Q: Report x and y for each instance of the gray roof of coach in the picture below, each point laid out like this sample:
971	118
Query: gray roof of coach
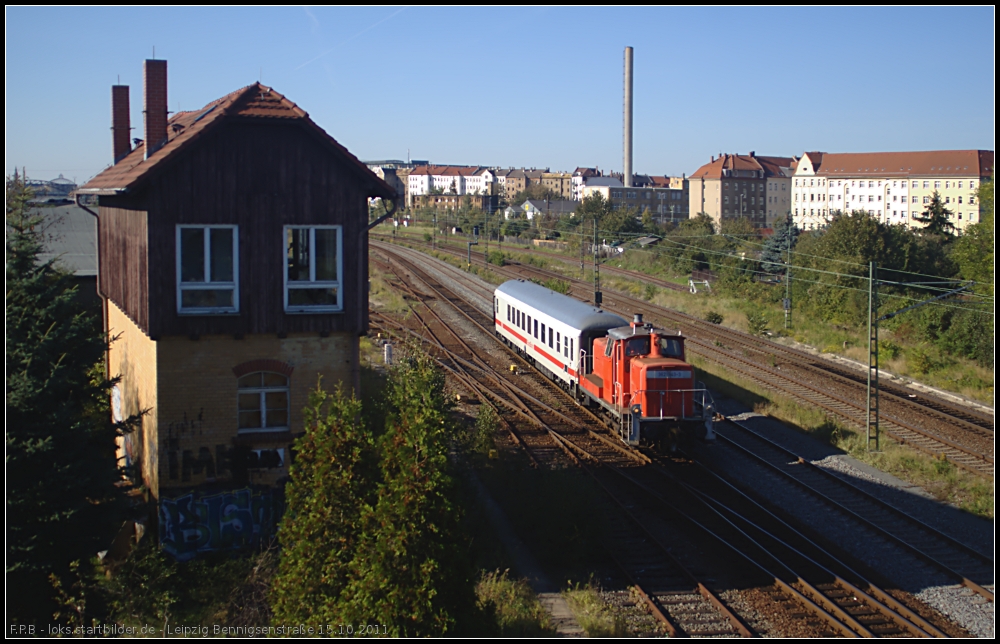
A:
567	310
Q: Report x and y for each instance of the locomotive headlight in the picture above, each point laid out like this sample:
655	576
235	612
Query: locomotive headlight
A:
637	409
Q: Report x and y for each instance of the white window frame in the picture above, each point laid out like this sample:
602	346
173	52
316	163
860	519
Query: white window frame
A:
208	286
262	393
313	283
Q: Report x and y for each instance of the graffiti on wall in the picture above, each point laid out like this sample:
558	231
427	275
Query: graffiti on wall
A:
196	523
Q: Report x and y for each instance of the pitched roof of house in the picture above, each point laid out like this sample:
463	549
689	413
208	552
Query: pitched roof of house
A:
713	169
773	165
184	128
612	182
586	172
553	207
933	163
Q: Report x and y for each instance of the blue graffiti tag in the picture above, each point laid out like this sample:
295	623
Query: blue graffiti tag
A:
191	524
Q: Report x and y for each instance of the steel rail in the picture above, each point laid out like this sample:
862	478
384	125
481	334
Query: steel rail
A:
785	472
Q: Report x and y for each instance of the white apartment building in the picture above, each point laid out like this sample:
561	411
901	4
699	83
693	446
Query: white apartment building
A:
449	179
894	187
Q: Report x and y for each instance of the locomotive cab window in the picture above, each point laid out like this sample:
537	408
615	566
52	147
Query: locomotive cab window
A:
637	346
671	347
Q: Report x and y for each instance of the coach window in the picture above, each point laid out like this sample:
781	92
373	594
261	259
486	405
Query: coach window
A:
536	329
529	325
550	337
543	333
558	342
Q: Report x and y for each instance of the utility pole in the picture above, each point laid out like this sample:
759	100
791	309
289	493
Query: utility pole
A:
873	320
486	230
598	297
583	243
872	416
434	230
468	264
788	276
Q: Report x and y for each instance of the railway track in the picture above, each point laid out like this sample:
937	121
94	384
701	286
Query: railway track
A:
841	603
963	437
963	563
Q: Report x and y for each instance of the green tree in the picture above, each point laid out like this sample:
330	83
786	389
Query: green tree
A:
936	218
319	532
515	227
775	251
535	191
407	573
63	505
973	252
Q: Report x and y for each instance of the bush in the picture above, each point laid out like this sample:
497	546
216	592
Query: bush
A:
649	292
496	257
920	361
427	237
559	286
888	349
714	317
756	323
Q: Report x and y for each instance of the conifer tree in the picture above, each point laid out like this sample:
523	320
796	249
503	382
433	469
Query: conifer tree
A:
407	574
320	529
936	218
62	501
775	251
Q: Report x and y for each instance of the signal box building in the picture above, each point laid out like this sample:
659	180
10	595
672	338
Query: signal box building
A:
233	267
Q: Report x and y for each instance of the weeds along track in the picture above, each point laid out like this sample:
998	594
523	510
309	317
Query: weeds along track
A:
960	435
675	512
881	520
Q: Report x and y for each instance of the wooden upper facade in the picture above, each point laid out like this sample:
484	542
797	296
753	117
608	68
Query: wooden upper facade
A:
251	175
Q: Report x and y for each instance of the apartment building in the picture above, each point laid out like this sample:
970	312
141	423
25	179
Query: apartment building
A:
450	179
560	183
731	186
895	187
579	180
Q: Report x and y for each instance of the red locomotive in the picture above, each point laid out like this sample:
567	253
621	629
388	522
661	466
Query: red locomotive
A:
635	372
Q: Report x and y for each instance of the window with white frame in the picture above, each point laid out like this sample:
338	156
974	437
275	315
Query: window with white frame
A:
207	269
314	266
263	402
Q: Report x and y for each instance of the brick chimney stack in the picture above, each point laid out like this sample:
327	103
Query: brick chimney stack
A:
121	125
154	91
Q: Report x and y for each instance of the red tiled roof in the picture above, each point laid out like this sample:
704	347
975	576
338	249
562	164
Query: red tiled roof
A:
713	170
934	163
772	165
253	101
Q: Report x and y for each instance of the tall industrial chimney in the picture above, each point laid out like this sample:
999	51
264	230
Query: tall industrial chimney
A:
627	133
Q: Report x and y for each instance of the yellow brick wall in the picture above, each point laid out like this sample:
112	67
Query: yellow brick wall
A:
189	391
198	399
132	357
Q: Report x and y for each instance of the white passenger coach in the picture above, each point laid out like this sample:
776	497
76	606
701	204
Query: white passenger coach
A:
554	330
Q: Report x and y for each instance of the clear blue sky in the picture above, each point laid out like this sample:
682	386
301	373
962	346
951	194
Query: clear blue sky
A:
526	86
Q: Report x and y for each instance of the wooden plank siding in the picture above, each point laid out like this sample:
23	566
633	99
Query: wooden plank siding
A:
260	175
122	262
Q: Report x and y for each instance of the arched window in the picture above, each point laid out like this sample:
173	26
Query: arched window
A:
263	402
